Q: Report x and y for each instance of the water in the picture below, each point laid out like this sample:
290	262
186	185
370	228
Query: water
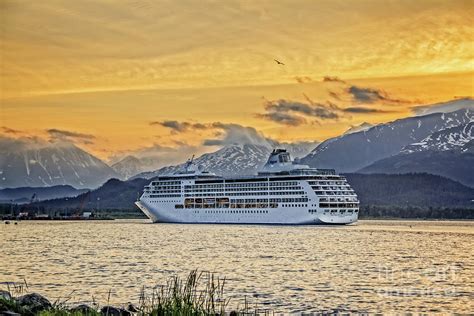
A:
374	266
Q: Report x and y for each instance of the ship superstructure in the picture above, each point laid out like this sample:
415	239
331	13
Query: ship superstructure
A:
283	192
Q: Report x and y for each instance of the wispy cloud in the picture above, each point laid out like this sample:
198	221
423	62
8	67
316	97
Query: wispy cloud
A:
362	95
289	112
179	127
363	110
333	79
371	95
225	133
282	118
8	130
444	107
303	79
70	136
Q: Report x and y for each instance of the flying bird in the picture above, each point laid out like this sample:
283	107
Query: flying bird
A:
279	62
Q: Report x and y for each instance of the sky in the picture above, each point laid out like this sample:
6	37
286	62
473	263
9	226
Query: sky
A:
134	77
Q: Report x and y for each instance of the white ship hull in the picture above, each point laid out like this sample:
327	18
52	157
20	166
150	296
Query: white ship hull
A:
272	216
283	193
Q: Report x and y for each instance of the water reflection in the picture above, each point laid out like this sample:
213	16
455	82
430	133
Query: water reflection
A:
374	266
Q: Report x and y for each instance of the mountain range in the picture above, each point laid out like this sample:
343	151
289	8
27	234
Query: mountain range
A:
236	159
449	153
25	162
28	194
438	140
354	151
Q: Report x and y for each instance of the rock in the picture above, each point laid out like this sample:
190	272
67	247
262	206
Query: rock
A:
5	295
83	309
132	308
114	311
34	302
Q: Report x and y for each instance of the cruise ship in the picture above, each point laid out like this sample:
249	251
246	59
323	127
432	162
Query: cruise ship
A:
282	192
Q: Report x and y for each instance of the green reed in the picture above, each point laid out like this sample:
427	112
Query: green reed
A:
200	293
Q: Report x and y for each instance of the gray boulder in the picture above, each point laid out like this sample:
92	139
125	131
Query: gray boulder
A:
82	309
114	311
34	302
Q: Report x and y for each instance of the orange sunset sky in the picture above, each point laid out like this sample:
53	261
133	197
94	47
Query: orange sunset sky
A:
113	76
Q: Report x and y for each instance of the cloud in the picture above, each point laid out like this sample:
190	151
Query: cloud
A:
363	110
157	156
179	127
235	134
304	79
315	109
444	107
334	95
282	118
8	130
333	79
9	144
359	94
370	95
69	136
295	113
225	133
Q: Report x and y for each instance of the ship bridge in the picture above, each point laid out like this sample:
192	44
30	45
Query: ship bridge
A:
280	163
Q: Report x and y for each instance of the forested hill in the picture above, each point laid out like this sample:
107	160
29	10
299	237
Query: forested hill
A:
418	195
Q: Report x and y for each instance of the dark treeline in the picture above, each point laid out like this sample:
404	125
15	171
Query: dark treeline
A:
419	190
384	211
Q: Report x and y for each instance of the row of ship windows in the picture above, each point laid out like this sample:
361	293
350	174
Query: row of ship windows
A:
328	187
334	182
257	192
334	207
286	200
171	187
165	191
213	206
251	187
242	185
169	201
245	193
334	211
164	195
344	199
337	205
233	212
263	185
328	180
166	183
247	189
351	192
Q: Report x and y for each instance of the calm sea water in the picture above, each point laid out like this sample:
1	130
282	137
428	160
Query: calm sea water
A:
373	266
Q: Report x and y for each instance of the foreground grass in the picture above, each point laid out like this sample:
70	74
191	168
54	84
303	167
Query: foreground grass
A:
200	293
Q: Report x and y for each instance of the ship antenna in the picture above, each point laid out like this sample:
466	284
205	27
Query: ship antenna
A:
192	158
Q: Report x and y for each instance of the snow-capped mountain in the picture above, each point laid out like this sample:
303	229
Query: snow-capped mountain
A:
351	152
358	128
27	163
130	166
459	138
232	160
447	153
